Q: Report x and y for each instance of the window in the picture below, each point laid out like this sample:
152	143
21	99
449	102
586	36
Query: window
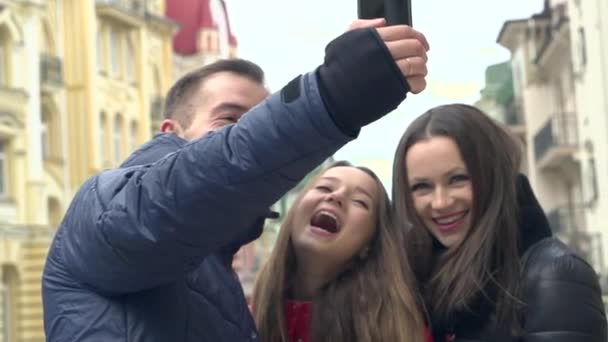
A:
210	45
154	6
117	139
208	41
45	136
517	78
213	42
115	52
582	47
130	61
102	139
2	63
3	169
5	50
590	184
100	51
5	309
133	136
10	297
54	210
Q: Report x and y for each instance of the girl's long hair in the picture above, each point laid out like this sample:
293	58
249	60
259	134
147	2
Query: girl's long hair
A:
375	300
484	268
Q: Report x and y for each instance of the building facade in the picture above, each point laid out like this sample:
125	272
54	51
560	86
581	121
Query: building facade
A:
205	34
499	102
559	68
77	83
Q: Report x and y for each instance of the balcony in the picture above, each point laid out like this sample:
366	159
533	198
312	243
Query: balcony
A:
131	6
51	71
25	232
567	219
556	142
130	12
555	35
568	223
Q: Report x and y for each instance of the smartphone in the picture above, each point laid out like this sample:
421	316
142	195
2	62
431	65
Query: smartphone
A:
396	12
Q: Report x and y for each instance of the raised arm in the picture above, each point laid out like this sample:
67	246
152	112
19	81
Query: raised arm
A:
136	228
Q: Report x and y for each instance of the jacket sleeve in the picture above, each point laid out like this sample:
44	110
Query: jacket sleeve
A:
562	297
135	228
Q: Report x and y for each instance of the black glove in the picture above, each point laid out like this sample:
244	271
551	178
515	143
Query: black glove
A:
359	81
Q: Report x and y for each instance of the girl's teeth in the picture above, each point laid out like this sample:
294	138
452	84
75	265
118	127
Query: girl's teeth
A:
450	220
329	214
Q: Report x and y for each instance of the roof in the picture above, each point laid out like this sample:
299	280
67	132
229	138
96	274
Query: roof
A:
192	17
544	14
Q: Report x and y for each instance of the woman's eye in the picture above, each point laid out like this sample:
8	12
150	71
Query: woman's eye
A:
419	187
323	188
362	203
460	178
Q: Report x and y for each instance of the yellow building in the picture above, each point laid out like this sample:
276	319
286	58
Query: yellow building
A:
78	82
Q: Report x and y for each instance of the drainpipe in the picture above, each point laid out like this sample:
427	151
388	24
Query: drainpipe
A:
603	37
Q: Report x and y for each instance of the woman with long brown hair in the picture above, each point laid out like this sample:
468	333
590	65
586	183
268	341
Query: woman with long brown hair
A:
338	271
479	242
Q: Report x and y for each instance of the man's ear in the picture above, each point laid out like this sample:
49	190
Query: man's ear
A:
171	126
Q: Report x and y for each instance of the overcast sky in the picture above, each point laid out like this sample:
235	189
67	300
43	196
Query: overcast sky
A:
287	37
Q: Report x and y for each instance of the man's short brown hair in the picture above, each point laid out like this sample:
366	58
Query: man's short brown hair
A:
178	105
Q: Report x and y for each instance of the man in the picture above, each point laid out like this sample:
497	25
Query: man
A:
144	251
